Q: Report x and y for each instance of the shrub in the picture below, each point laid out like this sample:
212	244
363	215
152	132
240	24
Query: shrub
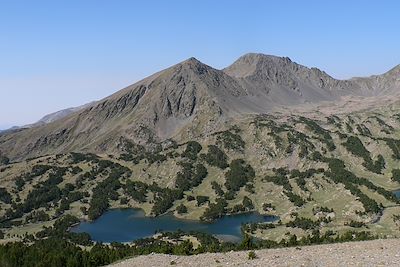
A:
192	149
190	198
215	210
164	199
201	200
5	196
356	147
137	190
181	209
355	224
252	255
396	175
239	174
394	145
303	223
231	140
247	203
324	135
216	157
190	176
217	188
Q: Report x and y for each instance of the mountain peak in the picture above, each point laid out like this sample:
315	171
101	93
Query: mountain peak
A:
193	65
192	61
254	57
250	63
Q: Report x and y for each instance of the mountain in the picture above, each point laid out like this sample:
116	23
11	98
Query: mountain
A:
58	115
263	135
188	100
385	84
50	117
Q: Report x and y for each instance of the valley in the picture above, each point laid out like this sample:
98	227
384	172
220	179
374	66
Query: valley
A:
333	174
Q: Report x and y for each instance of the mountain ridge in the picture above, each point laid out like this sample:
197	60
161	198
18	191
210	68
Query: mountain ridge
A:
190	99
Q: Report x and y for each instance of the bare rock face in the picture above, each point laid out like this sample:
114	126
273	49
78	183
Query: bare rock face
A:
378	85
285	82
186	101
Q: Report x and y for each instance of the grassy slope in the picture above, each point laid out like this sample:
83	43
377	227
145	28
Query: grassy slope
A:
263	153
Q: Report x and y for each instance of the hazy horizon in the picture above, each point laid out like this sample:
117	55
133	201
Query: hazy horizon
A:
60	55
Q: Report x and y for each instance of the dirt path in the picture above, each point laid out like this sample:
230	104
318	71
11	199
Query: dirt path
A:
385	252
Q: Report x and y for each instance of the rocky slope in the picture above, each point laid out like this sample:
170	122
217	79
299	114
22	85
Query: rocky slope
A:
366	253
190	100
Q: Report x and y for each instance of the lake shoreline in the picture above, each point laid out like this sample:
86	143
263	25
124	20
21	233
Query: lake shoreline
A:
130	224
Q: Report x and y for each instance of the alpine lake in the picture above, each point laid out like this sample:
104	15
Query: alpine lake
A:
126	225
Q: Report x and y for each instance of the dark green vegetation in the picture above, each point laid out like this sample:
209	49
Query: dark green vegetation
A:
356	147
5	196
136	153
106	190
300	139
281	178
215	210
252	255
363	130
217	188
136	190
231	139
322	134
339	174
164	198
396	175
192	149
303	223
216	157
202	200
57	252
245	206
190	176
267	165
394	145
44	194
239	174
181	209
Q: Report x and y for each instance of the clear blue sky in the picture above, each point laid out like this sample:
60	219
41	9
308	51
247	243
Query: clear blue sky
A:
58	54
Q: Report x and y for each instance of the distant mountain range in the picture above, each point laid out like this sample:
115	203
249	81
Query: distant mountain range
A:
50	117
188	100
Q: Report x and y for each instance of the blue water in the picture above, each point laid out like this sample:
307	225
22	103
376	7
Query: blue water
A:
125	225
397	193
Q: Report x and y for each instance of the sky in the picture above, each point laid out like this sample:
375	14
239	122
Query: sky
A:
60	54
